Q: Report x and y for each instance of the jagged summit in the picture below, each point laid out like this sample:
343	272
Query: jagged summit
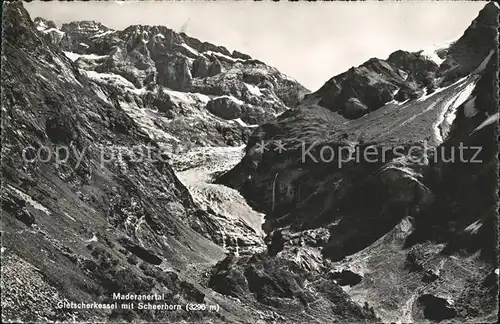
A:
228	93
43	24
84	25
475	44
96	29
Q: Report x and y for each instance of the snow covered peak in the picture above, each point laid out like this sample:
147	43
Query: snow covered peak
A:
85	25
40	24
43	24
48	28
436	52
84	28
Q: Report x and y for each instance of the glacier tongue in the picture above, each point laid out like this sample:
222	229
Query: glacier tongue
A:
238	221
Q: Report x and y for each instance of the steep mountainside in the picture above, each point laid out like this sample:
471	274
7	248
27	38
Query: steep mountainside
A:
81	229
357	181
90	203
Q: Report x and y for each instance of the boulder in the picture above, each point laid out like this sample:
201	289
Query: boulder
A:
225	108
240	55
354	108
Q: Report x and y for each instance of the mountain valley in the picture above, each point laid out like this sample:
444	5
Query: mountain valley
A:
146	161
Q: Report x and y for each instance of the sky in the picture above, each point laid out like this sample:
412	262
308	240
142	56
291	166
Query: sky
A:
309	41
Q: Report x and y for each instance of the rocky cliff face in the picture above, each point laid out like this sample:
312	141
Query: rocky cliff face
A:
78	228
412	231
198	93
90	203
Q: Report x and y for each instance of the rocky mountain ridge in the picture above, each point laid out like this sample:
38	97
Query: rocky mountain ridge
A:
406	75
188	84
414	234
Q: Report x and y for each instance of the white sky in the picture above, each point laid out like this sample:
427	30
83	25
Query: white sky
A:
310	41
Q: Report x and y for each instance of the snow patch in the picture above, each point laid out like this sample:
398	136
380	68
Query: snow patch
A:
93	239
67	215
103	34
449	111
35	204
287	77
431	52
74	56
159	35
57	31
138	92
408	173
93	56
460	99
426	95
187	97
242	123
41	25
253	89
474	227
490	120
234	99
438	90
432	55
201	97
232	59
189	48
118	80
403	74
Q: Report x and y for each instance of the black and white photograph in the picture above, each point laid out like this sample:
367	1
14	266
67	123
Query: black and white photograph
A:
249	162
